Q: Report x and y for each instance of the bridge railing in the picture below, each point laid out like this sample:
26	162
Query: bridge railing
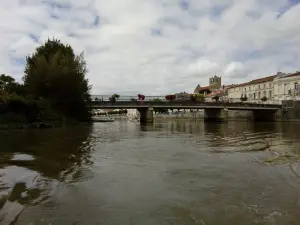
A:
183	103
97	98
125	98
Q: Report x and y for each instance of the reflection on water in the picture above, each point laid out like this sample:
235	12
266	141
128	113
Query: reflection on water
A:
165	173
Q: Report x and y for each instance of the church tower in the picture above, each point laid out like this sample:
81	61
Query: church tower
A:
215	82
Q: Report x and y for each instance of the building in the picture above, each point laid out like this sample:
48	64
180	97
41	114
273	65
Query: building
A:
287	86
215	83
133	113
222	93
253	90
235	91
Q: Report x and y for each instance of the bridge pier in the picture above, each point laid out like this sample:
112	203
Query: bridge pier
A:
216	115
267	115
146	115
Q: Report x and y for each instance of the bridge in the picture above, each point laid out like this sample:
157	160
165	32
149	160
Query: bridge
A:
213	111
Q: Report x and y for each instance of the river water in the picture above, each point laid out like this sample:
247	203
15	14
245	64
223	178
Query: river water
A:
175	172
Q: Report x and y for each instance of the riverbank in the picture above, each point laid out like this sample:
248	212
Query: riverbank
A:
28	125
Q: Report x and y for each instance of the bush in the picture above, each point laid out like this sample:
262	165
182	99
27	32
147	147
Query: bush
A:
215	98
170	97
244	98
12	117
141	97
264	99
198	97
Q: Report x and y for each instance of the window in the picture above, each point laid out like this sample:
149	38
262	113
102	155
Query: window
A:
264	86
270	94
249	89
279	88
258	86
254	95
265	94
285	89
270	85
258	95
296	86
245	89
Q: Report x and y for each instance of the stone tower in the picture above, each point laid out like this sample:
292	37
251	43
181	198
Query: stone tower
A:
215	82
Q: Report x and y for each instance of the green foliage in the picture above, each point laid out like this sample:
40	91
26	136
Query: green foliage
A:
54	73
12	117
13	107
156	100
244	98
216	98
264	99
198	97
9	85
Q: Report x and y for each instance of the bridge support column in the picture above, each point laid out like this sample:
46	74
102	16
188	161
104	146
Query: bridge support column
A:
146	115
216	115
267	115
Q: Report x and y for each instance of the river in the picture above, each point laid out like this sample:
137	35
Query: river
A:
177	172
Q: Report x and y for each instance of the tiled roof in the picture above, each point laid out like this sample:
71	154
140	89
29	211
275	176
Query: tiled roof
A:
197	89
293	74
262	80
215	93
256	81
238	85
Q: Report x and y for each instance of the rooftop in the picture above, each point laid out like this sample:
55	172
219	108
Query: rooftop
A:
256	81
292	74
198	88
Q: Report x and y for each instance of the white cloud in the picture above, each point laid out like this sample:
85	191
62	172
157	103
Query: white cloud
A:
203	67
157	47
235	70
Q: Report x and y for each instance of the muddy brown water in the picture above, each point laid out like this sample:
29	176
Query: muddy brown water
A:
174	172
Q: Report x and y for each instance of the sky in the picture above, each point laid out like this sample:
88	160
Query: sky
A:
157	47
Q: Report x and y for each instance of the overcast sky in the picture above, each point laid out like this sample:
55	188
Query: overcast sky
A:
157	46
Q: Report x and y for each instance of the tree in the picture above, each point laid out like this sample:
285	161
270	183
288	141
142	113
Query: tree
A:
264	99
215	98
244	98
53	72
198	97
9	85
5	82
114	98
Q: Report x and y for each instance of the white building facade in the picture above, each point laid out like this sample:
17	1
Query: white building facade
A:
133	113
254	90
287	87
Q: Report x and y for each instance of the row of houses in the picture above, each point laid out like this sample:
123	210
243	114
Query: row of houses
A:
282	86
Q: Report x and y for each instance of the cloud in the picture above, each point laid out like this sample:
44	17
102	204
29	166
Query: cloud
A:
203	67
159	46
235	70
